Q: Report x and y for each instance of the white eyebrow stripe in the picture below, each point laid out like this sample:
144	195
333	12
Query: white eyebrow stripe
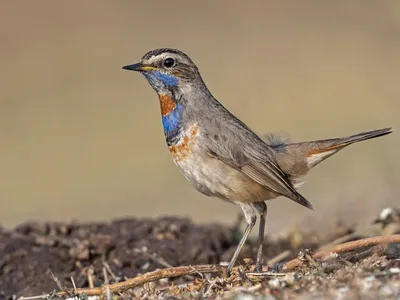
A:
158	57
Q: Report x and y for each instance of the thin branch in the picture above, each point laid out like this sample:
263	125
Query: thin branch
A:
106	286
44	296
349	246
110	271
265	275
64	289
151	276
73	284
90	277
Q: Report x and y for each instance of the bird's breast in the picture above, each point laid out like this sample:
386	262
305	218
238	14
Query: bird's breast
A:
185	144
210	175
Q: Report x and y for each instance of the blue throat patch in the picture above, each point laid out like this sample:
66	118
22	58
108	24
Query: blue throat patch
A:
172	125
168	80
171	122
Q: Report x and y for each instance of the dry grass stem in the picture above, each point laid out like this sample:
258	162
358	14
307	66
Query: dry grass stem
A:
349	246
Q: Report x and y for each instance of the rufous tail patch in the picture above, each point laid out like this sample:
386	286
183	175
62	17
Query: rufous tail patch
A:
318	151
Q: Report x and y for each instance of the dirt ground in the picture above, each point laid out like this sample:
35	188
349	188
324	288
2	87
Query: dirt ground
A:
128	247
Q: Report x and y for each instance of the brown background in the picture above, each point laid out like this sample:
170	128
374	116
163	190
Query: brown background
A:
82	139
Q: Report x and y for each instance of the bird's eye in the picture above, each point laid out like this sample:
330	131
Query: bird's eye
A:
169	62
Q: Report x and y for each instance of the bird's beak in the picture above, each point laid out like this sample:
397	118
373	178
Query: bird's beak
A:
139	67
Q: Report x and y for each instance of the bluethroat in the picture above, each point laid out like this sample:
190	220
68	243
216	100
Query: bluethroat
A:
222	157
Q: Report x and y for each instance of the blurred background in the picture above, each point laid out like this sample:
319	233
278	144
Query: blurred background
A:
82	139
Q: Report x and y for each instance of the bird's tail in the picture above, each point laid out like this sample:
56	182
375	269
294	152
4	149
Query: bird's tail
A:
320	150
297	158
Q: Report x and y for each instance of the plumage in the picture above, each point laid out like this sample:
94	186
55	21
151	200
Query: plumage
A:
183	147
296	159
218	154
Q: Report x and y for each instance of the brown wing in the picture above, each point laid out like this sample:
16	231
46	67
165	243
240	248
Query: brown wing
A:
255	159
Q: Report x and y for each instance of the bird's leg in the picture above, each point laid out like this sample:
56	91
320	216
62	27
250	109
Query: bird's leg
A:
251	218
261	207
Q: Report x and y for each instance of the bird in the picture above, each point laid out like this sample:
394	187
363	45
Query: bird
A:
219	154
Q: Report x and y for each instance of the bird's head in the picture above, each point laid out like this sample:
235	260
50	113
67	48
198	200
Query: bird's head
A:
168	70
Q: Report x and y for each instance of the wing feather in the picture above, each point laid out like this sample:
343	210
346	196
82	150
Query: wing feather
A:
255	159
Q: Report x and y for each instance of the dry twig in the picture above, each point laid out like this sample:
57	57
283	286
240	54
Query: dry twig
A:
110	271
64	289
349	246
90	277
151	276
73	284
